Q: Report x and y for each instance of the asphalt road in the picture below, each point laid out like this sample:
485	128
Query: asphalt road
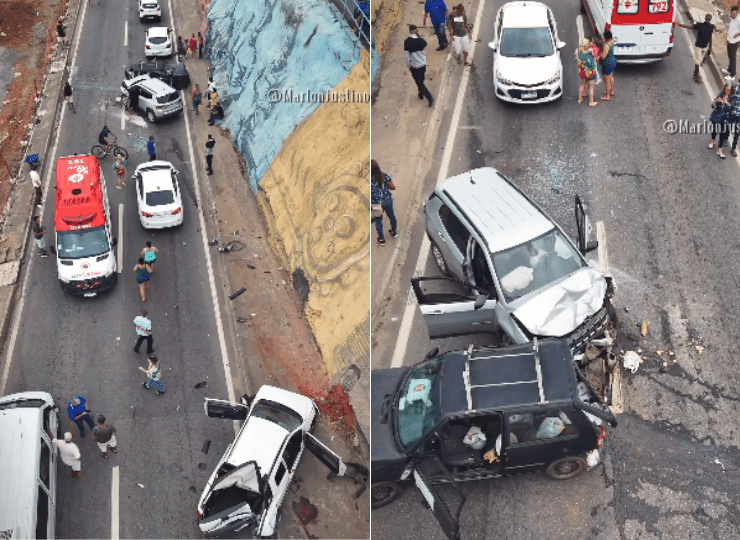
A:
669	207
67	345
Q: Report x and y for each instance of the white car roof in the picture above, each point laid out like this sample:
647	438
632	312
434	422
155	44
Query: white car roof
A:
155	179
260	440
525	15
156	86
157	31
502	215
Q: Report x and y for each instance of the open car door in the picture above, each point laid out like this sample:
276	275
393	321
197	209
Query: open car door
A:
335	463
446	510
451	308
232	501
218	408
585	230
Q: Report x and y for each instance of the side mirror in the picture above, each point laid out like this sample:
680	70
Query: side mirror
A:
247	400
561	44
492	45
432	353
590	246
114	242
480	301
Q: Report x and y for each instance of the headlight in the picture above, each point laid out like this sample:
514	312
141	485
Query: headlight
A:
501	80
555	78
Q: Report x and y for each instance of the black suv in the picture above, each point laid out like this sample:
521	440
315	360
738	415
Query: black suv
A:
176	76
483	413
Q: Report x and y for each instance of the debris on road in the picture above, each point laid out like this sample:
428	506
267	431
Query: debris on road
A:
237	293
644	328
631	360
201	384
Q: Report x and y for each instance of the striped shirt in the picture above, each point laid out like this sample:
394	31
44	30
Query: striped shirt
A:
413	49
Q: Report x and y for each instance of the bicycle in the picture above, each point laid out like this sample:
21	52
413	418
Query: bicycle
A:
100	151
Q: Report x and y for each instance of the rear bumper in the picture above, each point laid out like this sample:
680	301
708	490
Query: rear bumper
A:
625	57
90	287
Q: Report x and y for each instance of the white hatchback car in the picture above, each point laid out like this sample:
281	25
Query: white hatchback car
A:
526	54
158	195
252	478
158	41
149	9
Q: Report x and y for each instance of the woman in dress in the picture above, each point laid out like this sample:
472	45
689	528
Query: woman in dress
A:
149	254
608	63
586	71
142	271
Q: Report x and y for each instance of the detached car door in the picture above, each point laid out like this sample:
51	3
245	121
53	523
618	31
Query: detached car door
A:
585	230
451	308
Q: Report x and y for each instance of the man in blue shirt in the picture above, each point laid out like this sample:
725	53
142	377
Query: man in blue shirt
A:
151	149
79	413
437	11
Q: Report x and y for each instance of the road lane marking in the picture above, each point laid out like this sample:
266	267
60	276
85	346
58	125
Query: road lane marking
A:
114	520
579	25
120	238
399	351
125	34
602	252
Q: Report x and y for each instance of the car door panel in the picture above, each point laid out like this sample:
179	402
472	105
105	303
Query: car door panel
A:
440	236
447	508
325	455
217	408
585	230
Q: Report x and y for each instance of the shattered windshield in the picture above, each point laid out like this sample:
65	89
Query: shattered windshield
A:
535	264
418	408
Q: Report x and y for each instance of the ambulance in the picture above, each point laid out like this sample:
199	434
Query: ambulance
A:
86	263
642	29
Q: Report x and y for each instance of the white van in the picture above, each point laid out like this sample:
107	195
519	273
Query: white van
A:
86	263
28	465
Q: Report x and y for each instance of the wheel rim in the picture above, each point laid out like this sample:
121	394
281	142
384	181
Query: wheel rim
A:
383	492
567	467
439	259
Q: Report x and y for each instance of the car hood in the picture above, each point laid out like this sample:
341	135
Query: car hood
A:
383	445
527	70
562	308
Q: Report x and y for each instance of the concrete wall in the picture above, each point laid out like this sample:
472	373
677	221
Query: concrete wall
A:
307	153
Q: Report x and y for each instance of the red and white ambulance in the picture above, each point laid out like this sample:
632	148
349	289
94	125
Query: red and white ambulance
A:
642	29
86	263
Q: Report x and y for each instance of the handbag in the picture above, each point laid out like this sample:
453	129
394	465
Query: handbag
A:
376	210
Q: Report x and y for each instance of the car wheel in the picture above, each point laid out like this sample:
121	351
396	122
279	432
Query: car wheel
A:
150	115
382	493
566	468
440	260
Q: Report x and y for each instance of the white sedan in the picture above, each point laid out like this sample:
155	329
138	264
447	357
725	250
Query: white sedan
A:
149	9
251	479
158	195
526	54
158	41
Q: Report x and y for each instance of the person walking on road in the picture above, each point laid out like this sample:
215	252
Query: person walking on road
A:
416	60
586	71
153	374
38	235
437	11
120	169
69	452
36	182
149	254
719	119
150	147
104	435
144	331
197	97
380	193
192	45
79	413
200	45
142	271
733	40
210	143
457	23
608	63
68	96
703	45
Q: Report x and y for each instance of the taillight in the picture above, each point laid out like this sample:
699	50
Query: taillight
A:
607	27
168	46
147	214
601	437
176	211
148	47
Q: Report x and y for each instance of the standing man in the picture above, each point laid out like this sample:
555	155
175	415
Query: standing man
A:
104	435
416	60
151	149
62	34
69	452
211	86
68	96
79	413
200	45
38	234
144	331
733	40
210	143
36	181
703	43
457	23
437	11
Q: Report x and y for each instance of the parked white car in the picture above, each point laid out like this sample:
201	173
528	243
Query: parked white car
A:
526	54
158	195
158	41
149	9
252	478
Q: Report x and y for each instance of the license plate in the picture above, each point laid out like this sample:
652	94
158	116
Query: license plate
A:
89	294
529	95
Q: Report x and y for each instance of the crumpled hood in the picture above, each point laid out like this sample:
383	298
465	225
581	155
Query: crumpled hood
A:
562	308
532	70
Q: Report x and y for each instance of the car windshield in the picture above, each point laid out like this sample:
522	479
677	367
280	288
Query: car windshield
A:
150	6
278	414
524	42
23	404
82	243
160	198
157	40
168	98
535	264
418	408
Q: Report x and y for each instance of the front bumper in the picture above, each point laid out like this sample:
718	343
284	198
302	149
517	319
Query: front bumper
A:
541	93
90	287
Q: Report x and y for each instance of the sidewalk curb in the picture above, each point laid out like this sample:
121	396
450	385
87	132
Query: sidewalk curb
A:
712	62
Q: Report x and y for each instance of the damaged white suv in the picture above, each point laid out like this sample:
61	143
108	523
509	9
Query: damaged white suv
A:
516	273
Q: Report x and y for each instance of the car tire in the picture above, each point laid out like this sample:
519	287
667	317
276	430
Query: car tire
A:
566	468
150	115
440	260
382	493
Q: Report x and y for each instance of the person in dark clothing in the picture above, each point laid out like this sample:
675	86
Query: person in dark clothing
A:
182	51
437	10
62	34
703	43
362	20
416	60
150	147
68	96
217	113
210	143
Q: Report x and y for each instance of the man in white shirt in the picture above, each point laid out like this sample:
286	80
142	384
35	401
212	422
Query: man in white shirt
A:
733	40
36	181
69	452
